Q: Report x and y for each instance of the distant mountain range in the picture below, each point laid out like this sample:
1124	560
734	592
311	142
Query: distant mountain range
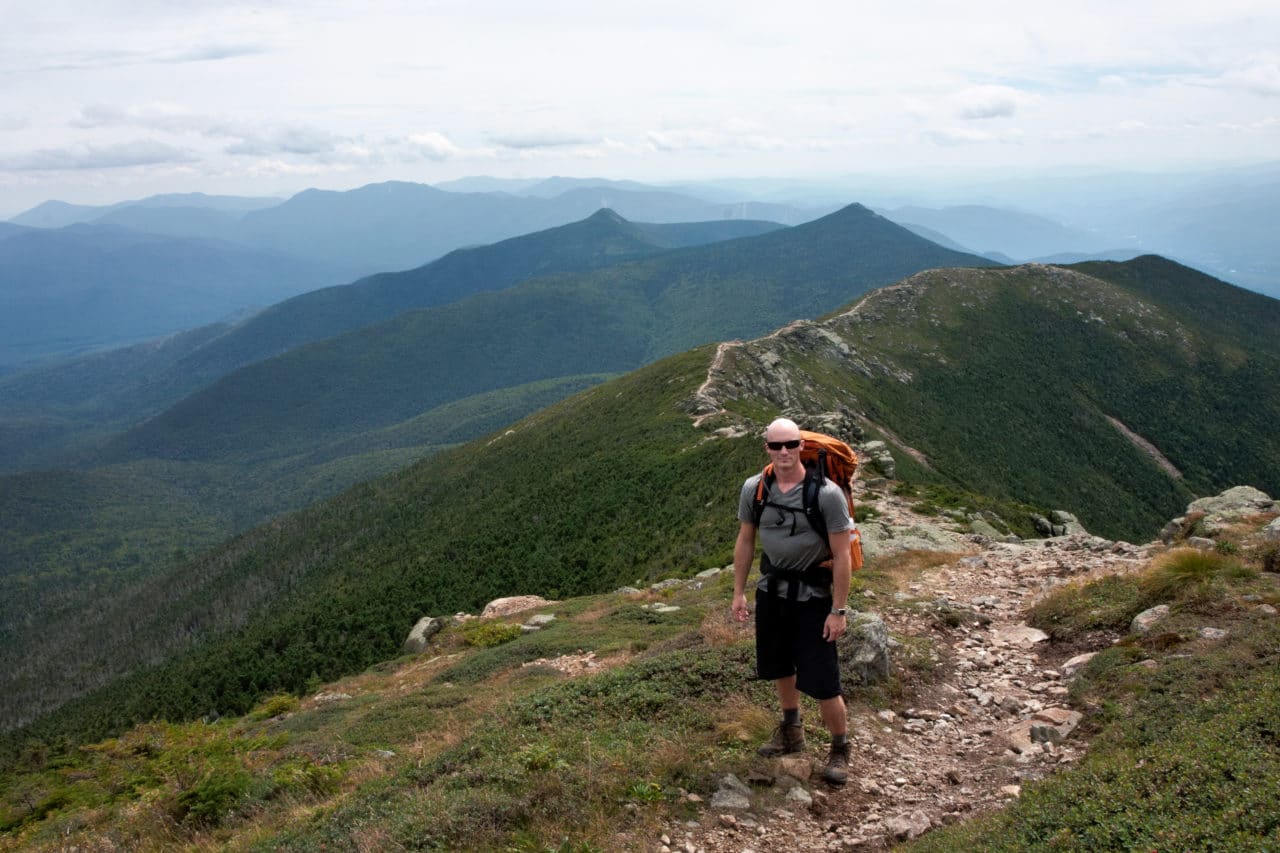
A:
1219	223
286	430
611	319
80	278
84	287
1015	235
48	410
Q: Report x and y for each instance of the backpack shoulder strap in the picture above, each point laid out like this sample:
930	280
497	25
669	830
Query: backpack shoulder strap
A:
815	477
763	485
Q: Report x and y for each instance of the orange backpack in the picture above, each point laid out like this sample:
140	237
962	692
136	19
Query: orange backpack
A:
824	457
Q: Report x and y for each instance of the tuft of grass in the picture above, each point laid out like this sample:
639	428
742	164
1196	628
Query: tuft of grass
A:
1186	575
1109	603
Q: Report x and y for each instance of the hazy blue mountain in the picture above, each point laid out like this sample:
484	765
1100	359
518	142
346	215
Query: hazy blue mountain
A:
1013	233
197	222
607	320
67	290
64	406
1079	257
937	237
487	184
58	214
555	186
399	225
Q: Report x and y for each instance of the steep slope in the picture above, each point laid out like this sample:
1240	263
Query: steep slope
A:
1047	384
610	320
1006	381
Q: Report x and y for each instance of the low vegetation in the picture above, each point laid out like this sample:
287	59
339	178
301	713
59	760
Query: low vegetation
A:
489	747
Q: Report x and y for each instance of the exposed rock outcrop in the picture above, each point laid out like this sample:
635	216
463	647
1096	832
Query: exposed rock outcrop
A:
1207	517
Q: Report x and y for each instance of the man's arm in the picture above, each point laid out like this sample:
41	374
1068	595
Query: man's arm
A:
744	551
841	572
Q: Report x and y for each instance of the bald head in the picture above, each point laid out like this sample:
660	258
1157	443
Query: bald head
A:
782	429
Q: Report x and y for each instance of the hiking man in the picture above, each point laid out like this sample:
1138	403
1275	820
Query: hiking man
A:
800	607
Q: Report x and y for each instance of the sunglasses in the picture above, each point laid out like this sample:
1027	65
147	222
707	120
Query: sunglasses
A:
778	445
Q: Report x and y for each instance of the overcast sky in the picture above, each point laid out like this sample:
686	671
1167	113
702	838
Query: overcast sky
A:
102	100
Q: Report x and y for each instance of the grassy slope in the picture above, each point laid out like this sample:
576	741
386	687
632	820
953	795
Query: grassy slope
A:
487	747
303	425
1001	425
338	585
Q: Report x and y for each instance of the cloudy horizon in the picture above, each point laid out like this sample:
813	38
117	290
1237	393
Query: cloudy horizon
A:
121	100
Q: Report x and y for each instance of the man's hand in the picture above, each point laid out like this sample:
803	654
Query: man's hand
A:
740	606
834	627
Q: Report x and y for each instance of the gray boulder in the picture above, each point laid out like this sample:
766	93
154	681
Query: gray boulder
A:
1063	523
1272	531
418	639
1148	619
983	528
732	795
881	458
879	539
1235	502
864	651
1207	516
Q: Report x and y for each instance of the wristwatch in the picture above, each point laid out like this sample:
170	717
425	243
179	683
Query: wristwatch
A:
839	611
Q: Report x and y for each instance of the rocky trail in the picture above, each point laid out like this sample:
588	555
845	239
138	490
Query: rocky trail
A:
992	714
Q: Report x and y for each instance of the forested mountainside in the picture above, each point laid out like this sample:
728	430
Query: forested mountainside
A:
1009	382
290	430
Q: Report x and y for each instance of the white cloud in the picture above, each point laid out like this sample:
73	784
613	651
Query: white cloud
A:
647	90
983	102
288	139
542	139
431	145
1260	77
141	152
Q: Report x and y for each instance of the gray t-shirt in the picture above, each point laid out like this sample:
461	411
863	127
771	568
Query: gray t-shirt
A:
785	533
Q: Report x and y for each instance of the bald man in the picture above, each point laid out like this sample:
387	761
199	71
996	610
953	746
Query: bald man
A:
800	606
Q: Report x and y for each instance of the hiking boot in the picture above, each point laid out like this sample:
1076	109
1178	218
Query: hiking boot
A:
837	770
787	739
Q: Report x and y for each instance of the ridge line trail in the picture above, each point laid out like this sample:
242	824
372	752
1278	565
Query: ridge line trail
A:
940	753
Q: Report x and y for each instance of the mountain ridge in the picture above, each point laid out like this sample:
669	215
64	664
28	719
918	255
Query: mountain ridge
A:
1038	438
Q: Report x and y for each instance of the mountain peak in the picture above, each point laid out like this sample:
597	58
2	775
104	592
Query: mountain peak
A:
606	214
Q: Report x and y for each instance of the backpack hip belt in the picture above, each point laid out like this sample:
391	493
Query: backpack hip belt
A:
818	575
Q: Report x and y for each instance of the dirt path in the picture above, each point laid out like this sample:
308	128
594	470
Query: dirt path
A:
966	742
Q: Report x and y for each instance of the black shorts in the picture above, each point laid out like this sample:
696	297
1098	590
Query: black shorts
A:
789	642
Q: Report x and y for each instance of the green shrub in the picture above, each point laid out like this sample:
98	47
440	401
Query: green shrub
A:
483	634
274	706
208	801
